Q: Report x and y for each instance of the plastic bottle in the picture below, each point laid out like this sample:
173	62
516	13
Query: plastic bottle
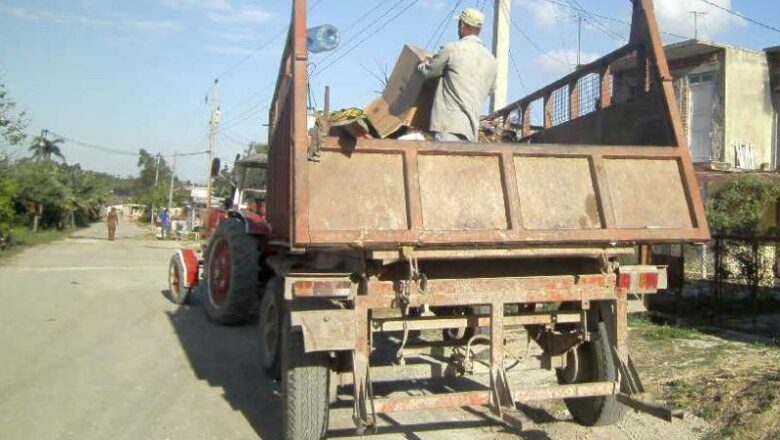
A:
322	38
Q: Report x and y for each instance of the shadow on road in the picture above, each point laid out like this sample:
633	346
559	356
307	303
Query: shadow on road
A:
226	357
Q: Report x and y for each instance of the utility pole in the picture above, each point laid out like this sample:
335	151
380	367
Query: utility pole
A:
213	126
696	15
173	176
501	23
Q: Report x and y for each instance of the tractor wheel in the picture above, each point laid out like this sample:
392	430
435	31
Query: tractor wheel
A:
305	388
232	273
176	275
592	362
269	325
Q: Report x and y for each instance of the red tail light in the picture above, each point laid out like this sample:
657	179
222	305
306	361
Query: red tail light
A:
642	279
322	289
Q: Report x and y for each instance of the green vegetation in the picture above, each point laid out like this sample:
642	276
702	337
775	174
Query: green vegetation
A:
648	330
737	208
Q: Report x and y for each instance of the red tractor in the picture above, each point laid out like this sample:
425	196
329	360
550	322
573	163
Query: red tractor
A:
230	258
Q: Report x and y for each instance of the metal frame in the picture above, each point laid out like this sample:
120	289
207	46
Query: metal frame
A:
288	197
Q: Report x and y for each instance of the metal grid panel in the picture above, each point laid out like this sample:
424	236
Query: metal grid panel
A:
589	93
559	106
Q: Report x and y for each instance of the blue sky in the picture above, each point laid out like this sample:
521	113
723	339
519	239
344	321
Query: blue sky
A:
134	74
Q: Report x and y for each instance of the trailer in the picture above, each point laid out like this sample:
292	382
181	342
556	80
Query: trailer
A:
477	240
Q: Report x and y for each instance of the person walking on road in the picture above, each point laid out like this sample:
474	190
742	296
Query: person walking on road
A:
468	75
197	225
165	224
112	220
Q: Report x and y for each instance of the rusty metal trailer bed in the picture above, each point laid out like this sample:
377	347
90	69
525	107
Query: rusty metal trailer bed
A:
373	236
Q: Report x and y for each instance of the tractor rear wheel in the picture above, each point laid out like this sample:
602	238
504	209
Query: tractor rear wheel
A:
232	273
269	327
305	388
592	362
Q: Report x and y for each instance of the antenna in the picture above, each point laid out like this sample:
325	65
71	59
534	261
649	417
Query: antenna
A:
696	15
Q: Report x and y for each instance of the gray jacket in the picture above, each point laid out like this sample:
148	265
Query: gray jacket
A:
468	75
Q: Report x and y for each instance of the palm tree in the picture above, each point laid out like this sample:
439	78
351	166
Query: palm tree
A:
44	149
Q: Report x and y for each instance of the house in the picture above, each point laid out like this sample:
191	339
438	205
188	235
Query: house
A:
727	103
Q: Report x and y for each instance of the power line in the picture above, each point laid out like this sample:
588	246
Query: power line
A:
113	151
377	30
439	31
744	17
369	24
613	19
517	71
261	46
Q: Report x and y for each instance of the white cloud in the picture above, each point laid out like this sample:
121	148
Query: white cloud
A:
227	50
555	63
245	14
223	11
675	16
542	13
115	23
436	5
236	35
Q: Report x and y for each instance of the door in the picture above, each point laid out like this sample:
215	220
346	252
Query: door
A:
702	97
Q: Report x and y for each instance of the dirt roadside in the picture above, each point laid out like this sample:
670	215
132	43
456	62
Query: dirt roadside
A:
92	349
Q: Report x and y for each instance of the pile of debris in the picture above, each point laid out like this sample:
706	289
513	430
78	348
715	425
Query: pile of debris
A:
402	112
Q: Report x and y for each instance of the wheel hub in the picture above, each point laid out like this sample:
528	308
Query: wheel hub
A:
219	273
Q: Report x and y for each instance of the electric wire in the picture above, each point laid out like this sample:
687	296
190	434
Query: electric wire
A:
114	151
744	17
439	31
369	23
359	43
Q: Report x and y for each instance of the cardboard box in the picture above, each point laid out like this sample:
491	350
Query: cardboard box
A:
407	98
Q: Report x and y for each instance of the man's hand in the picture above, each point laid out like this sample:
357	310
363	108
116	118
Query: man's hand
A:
423	66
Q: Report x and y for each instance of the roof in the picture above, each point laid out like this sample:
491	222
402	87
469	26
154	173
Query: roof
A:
253	160
692	48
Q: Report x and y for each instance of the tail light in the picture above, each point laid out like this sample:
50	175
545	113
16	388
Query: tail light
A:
322	289
642	279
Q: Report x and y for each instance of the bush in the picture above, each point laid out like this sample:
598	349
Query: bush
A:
737	208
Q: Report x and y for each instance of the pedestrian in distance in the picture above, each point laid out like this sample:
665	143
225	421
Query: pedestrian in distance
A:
112	221
468	75
165	224
197	224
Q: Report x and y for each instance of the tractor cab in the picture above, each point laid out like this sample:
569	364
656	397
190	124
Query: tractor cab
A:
250	174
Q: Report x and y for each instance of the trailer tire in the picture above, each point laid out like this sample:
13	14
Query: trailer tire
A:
232	273
269	326
305	388
176	276
595	364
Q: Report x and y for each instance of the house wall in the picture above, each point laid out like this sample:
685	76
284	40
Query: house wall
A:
748	103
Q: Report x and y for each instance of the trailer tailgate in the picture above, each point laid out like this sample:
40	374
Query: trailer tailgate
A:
379	194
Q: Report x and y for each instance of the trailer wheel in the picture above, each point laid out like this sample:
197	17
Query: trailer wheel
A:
179	293
592	362
305	389
269	325
232	273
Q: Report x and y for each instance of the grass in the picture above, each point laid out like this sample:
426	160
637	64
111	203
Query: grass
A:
25	238
733	385
651	331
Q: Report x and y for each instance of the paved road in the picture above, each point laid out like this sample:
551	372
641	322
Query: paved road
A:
92	349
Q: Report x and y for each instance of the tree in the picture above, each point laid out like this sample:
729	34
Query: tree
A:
258	147
43	149
737	208
12	122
